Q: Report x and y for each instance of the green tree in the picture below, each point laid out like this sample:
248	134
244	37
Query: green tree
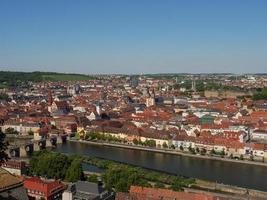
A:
135	141
75	171
190	148
203	151
11	131
212	152
222	153
115	174
164	145
150	143
193	151
30	132
200	86
121	177
93	178
177	185
49	165
3	148
4	96
159	185
262	95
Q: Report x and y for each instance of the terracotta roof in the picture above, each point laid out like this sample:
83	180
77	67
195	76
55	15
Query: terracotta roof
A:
45	186
259	114
142	193
257	146
8	181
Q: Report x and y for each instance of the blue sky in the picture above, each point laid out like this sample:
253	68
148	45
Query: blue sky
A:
133	36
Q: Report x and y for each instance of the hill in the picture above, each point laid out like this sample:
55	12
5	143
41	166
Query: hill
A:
10	79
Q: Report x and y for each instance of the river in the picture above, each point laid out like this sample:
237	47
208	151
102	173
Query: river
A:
238	174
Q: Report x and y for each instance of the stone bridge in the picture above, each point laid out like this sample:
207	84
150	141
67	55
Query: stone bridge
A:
27	148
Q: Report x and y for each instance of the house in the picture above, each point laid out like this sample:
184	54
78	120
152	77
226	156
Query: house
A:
150	102
64	121
11	187
258	134
59	107
93	116
83	190
73	89
183	141
259	149
235	148
15	167
256	149
22	128
38	188
160	137
79	109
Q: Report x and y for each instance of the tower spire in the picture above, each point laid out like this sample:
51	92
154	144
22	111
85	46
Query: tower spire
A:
50	98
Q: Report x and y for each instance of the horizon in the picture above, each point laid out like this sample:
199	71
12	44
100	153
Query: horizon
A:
140	37
140	74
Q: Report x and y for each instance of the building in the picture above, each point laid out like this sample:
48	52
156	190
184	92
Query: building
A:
259	134
38	188
73	89
11	187
22	128
150	101
143	193
207	119
83	190
134	81
15	167
59	107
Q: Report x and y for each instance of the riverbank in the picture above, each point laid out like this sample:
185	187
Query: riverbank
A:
194	185
199	185
169	151
229	173
239	192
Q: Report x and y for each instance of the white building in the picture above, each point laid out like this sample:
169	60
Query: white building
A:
259	134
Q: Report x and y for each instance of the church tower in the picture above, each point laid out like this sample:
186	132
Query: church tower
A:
50	98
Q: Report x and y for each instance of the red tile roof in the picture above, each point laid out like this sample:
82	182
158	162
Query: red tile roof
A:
162	194
48	188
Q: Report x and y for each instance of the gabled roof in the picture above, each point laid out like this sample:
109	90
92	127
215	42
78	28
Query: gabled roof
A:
8	181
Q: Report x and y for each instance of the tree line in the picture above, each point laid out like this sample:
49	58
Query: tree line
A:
56	165
120	177
116	176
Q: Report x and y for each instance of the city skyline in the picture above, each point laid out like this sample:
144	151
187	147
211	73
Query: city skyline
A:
141	99
119	37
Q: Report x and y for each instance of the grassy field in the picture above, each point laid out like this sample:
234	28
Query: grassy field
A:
65	77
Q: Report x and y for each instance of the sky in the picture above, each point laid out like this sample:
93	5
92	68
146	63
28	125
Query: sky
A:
134	36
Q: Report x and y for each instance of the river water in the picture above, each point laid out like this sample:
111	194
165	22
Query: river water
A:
243	175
